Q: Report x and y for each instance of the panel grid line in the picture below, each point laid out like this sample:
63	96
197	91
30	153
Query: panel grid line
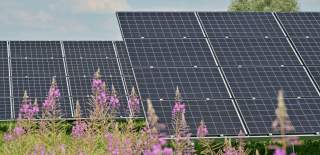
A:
10	80
67	78
122	77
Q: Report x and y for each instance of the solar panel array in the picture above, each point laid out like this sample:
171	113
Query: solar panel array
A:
242	57
33	64
228	67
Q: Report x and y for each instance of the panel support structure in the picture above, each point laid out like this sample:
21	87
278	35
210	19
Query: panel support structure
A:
67	78
10	80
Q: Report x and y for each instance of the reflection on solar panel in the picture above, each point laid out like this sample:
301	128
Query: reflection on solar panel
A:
219	116
309	49
169	53
194	83
259	114
302	24
240	24
159	24
264	82
254	52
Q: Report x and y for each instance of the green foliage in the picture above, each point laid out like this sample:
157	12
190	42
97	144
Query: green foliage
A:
264	5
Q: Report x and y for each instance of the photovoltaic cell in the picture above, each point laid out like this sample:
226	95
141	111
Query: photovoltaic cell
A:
89	49
265	82
219	116
37	67
5	108
260	113
3	50
159	25
315	73
87	67
35	49
301	24
240	24
309	49
254	52
126	66
38	86
169	52
194	83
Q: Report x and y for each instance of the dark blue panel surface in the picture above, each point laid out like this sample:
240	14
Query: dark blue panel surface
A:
3	50
89	49
240	24
4	87
194	83
301	24
37	87
254	52
169	52
219	116
265	82
315	73
37	67
259	114
159	24
35	49
87	67
309	49
5	108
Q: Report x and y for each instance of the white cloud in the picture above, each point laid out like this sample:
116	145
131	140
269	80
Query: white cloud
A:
100	5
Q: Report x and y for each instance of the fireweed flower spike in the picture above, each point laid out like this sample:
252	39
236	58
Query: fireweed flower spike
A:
27	109
114	102
283	124
80	127
202	130
134	102
50	104
99	90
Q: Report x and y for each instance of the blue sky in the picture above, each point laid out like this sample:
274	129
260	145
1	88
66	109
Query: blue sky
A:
90	19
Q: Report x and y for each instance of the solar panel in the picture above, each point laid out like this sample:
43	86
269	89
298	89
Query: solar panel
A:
89	49
315	73
240	24
87	67
3	50
37	67
194	83
35	49
301	24
259	114
309	49
81	90
219	116
254	52
170	53
265	82
37	86
159	24
5	108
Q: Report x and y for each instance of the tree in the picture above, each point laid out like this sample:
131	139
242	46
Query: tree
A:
264	5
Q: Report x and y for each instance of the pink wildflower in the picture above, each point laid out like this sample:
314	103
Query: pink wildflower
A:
202	130
134	102
27	110
54	93
279	151
79	129
114	102
18	131
179	107
167	151
8	137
